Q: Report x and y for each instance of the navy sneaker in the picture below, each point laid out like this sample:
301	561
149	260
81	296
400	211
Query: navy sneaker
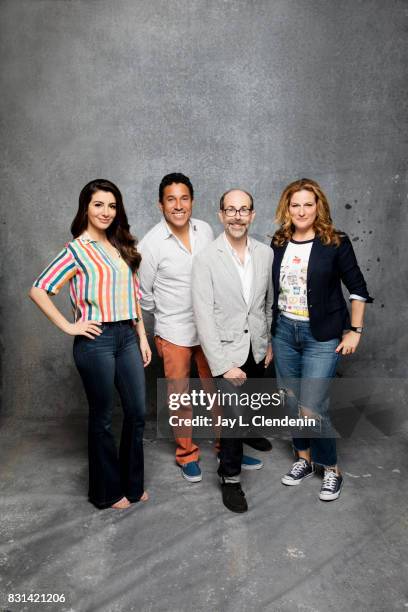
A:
248	463
300	470
331	485
191	471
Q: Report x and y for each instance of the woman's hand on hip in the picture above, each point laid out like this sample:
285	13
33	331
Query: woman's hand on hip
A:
90	329
349	343
145	350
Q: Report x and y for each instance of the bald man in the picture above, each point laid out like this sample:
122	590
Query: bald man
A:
232	302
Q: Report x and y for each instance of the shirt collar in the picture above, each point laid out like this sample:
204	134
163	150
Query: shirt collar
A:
231	248
85	237
167	231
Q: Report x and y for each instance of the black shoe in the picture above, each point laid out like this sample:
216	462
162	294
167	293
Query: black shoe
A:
260	444
233	497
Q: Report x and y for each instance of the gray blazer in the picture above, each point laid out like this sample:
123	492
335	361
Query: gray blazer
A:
226	324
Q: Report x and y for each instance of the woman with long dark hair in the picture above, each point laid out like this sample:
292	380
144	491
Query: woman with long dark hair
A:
311	324
100	264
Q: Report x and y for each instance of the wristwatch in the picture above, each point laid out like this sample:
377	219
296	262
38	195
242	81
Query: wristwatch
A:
359	330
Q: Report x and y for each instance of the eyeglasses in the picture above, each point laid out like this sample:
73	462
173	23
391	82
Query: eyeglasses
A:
232	212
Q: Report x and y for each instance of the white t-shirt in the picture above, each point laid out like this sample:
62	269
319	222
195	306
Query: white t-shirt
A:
293	280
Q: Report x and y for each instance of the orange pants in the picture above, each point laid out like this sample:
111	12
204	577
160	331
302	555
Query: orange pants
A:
177	365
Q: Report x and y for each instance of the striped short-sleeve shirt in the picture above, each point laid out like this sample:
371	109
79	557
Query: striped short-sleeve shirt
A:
101	289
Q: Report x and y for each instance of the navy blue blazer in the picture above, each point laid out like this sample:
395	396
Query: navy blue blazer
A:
328	266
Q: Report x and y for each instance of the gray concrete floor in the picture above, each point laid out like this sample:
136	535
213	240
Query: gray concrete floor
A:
183	550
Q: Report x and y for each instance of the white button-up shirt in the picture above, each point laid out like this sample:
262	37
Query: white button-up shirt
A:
165	280
245	270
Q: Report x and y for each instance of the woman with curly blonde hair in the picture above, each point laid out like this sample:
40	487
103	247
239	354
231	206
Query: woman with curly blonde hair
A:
311	323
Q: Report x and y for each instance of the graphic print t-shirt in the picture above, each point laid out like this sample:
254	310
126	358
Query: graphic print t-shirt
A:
293	280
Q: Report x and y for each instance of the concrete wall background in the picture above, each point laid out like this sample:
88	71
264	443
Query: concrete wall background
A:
230	92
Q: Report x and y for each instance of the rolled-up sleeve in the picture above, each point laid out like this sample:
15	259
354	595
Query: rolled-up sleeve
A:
350	272
353	296
57	273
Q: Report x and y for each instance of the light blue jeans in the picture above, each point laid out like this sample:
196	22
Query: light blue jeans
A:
304	367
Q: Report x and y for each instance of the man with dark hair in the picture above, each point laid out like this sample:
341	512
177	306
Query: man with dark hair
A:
175	177
165	276
232	300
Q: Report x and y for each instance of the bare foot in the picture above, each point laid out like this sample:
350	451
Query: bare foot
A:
144	497
121	504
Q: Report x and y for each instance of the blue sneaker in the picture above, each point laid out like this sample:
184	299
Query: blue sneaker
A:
191	471
248	463
251	463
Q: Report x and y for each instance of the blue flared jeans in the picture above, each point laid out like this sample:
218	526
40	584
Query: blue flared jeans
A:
113	360
304	367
